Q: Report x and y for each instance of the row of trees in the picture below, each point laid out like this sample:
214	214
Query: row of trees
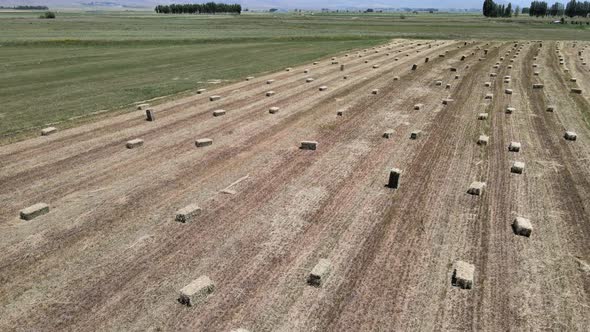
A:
538	8
577	8
26	7
206	8
557	9
573	8
492	9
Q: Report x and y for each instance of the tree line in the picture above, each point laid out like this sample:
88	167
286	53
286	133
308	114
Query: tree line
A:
492	9
573	8
206	8
26	7
577	8
538	8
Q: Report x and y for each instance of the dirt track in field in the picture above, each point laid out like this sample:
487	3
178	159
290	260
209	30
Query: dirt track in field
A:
109	255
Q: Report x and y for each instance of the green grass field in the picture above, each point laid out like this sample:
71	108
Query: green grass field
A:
83	62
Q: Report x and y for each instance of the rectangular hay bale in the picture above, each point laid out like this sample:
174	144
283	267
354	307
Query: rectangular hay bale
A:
522	226
394	178
483	140
517	167
188	213
415	134
514	147
150	115
141	107
201	142
34	211
570	136
463	275
197	291
309	145
320	272
48	131
134	143
476	188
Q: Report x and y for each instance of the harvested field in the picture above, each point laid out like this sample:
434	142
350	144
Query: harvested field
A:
267	218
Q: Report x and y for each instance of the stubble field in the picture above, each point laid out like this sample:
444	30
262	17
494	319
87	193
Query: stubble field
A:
110	256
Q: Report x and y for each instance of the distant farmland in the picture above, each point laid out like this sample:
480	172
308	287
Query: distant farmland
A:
59	71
